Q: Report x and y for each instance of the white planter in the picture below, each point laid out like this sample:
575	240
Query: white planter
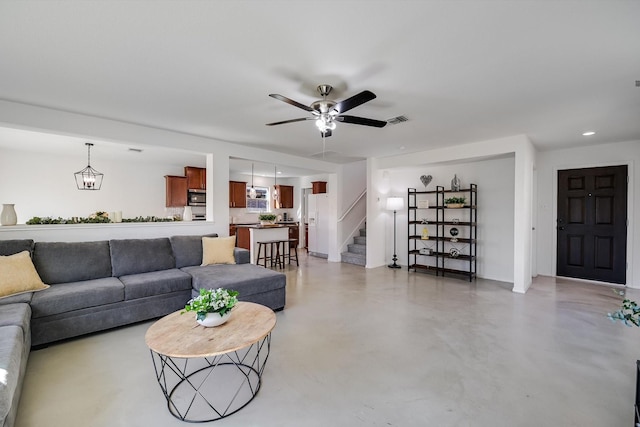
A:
8	215
214	319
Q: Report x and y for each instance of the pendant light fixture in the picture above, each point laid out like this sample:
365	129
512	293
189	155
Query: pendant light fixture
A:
88	178
275	182
252	191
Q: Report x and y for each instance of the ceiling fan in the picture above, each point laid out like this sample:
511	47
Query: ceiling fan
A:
326	112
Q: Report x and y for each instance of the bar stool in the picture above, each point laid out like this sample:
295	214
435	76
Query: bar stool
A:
288	243
274	248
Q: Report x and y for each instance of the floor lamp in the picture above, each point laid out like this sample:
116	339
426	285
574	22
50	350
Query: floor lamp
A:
394	204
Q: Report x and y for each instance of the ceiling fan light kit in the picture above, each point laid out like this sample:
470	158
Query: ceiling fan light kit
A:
327	112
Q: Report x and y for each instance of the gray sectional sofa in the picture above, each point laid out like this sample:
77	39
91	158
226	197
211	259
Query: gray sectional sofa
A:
100	285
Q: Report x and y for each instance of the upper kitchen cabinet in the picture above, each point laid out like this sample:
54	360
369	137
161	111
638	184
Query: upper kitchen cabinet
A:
285	197
196	178
176	187
237	194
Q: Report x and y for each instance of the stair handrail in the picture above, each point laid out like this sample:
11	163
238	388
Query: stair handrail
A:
353	205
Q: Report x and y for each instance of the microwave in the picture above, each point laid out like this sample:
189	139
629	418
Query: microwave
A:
196	198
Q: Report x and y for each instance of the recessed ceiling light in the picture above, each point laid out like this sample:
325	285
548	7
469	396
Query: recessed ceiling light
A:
589	133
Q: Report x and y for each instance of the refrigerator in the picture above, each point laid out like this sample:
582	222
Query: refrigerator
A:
318	218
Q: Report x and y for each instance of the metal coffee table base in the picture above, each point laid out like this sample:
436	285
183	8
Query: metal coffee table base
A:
206	389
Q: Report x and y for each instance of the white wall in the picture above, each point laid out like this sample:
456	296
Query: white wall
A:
43	185
549	162
495	210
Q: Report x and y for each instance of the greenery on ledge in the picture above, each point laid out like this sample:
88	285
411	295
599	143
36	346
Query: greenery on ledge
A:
96	218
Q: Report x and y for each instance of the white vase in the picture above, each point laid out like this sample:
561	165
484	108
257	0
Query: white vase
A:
214	319
187	215
8	215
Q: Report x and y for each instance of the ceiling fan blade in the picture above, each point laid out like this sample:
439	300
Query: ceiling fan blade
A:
361	121
289	121
290	101
354	101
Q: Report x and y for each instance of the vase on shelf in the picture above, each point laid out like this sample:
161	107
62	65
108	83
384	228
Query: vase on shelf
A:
8	215
214	319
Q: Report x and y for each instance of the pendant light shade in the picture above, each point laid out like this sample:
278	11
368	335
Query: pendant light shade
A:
275	183
88	178
252	191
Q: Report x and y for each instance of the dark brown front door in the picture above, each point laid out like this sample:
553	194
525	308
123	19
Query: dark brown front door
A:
592	223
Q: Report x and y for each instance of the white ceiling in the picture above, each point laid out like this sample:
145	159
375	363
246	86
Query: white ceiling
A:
461	71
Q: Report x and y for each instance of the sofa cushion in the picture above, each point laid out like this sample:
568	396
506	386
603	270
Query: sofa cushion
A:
71	296
155	283
248	279
187	250
62	262
133	256
18	275
18	314
12	348
16	299
10	247
218	250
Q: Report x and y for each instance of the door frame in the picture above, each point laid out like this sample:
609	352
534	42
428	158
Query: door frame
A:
630	216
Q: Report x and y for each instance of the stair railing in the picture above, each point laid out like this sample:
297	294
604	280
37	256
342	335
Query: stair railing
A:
353	219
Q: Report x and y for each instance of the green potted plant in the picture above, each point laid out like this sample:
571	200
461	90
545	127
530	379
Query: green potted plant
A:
266	218
212	306
455	202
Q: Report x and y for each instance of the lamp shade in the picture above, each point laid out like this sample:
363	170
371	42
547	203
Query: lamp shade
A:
395	203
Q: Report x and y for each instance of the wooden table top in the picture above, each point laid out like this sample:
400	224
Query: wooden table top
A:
179	335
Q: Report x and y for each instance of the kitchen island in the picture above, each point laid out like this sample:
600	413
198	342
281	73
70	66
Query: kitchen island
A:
248	236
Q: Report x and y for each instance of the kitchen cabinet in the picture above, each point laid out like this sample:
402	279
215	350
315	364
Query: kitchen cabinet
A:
318	187
176	190
196	178
285	197
237	194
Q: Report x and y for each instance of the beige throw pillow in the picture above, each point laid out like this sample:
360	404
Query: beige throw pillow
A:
218	250
18	275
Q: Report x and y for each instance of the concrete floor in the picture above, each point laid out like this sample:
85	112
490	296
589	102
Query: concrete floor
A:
379	347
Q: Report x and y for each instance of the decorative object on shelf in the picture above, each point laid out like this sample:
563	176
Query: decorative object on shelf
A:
252	191
454	232
426	179
455	183
425	251
8	215
394	204
455	220
425	234
88	178
212	306
423	204
455	202
187	214
454	252
267	219
424	221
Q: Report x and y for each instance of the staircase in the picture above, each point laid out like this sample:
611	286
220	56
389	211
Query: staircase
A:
357	251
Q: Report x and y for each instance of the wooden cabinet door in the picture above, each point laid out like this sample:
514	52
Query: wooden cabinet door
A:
237	194
176	191
285	197
196	178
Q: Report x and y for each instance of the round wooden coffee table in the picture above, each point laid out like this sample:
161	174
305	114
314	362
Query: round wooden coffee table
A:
210	373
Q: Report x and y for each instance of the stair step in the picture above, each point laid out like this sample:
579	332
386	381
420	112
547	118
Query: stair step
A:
357	249
363	232
352	258
360	240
